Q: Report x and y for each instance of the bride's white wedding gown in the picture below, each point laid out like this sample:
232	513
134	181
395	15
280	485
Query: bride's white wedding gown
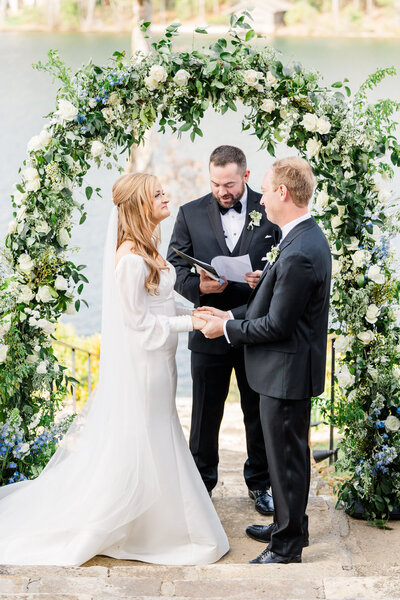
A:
123	483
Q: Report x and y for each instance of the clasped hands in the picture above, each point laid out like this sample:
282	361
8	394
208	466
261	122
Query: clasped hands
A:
210	320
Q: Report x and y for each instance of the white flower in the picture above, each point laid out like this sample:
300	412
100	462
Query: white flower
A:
61	283
158	73
310	122
181	77
376	275
373	373
32	322
25	294
42	367
366	337
343	343
384	196
107	114
268	105
336	221
70	310
336	267
348	174
26	264
270	79
44	294
12	226
25	448
37	348
35	421
392	423
93	102
47	326
56	367
344	377
113	100
323	126
21	213
377	233
39	142
3	352
313	147
63	237
97	149
372	313
18	197
5	325
42	227
66	110
251	77
32	179
322	199
150	83
353	244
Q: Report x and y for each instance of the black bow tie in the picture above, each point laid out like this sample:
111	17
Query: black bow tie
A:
237	207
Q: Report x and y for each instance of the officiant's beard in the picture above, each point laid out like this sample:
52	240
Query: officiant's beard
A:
229	200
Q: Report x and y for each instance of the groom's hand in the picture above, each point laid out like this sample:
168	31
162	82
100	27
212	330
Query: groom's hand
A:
214	327
209	285
216	312
252	278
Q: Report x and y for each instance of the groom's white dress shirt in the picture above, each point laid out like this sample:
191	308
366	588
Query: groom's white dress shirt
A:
233	223
285	230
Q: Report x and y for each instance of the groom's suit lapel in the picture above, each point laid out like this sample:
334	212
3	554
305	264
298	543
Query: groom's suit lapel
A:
215	219
243	244
292	235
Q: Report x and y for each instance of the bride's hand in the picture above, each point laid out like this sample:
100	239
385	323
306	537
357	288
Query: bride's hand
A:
197	322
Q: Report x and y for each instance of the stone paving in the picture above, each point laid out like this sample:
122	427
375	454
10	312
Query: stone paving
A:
346	560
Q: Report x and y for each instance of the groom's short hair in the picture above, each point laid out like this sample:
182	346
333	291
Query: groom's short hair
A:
225	155
296	174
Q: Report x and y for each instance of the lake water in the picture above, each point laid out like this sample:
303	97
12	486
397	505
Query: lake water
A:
26	95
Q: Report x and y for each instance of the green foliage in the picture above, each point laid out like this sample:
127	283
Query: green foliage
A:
302	12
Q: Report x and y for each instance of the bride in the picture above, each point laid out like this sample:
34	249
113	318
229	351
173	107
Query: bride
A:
123	482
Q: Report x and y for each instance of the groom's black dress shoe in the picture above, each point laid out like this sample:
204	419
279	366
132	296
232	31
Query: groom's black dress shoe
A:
263	502
270	558
262	533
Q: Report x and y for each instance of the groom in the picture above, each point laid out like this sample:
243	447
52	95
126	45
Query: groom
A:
284	330
221	223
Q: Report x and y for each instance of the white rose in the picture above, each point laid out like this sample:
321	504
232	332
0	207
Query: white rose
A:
268	105
42	367
353	244
107	114
344	377
47	326
26	264
343	343
323	126
33	322
313	147
322	199
44	294
45	137
32	179
25	294
3	352
21	213
336	267
372	313
5	325
61	283
37	348
181	77
373	373
12	226
384	196
150	83
310	122
63	237
376	275
270	79
158	73
70	310
25	448
39	142
97	149
377	233
358	258
113	100
92	103
42	227
392	423
366	337
251	77
66	110
19	198
336	222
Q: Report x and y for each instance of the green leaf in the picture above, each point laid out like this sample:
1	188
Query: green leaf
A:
88	192
201	30
250	34
337	84
185	127
82	219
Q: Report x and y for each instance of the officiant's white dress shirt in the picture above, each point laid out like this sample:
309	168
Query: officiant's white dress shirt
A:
233	223
285	230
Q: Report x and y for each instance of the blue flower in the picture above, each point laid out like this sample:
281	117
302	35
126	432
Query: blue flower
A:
12	465
385	436
398	411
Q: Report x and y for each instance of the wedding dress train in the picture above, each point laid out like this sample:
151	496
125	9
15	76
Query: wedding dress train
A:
123	482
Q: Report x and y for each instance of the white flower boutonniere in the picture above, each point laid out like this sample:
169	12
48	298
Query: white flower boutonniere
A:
255	218
272	255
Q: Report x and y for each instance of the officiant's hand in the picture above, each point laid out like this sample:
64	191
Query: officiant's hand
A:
216	312
209	285
253	278
214	327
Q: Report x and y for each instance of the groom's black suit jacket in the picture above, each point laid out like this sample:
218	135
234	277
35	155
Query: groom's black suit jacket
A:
198	232
284	325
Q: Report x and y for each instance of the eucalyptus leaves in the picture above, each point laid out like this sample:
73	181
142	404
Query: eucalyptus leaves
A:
352	148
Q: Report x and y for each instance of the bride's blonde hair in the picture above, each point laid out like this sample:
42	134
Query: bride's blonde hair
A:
133	195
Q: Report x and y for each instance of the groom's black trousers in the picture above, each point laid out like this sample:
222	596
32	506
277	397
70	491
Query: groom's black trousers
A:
211	374
286	426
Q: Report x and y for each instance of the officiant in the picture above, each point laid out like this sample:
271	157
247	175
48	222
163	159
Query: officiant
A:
228	221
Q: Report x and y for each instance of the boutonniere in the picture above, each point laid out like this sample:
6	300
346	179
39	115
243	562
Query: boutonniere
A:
272	255
255	218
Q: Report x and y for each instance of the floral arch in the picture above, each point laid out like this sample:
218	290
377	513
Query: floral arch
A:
352	149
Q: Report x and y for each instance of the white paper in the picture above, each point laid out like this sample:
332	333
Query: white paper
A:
233	268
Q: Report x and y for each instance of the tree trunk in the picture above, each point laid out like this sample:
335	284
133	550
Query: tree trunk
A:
163	12
140	157
356	5
3	11
91	5
369	7
202	11
335	11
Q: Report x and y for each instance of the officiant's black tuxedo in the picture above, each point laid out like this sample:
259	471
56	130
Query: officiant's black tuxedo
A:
284	329
198	232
